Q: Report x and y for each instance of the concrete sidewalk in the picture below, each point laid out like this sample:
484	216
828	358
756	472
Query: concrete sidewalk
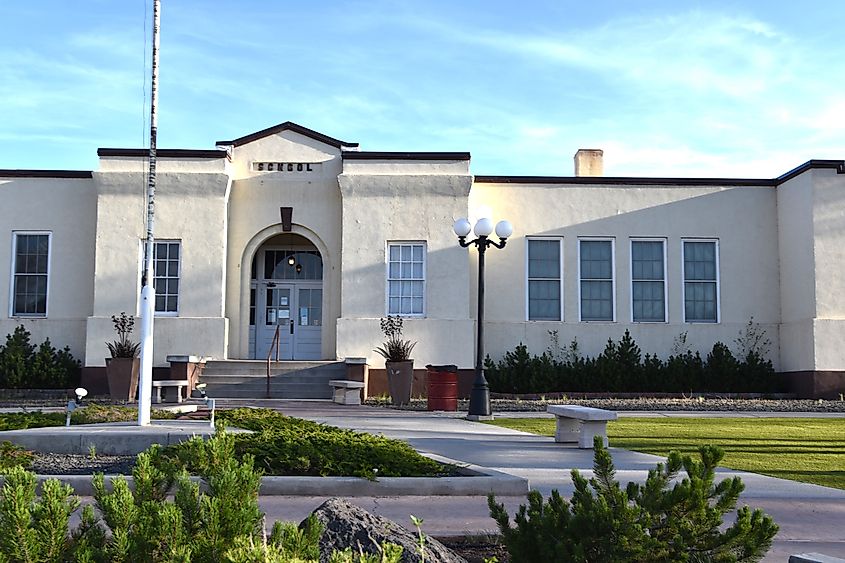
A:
811	518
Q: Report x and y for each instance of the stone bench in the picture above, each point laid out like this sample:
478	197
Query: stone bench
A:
179	384
580	424
346	392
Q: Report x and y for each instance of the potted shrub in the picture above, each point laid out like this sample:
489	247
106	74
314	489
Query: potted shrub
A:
398	362
123	366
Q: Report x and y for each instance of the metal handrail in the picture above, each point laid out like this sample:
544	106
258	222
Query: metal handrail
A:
275	344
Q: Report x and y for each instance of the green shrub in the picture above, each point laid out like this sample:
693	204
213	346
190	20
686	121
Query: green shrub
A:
283	445
621	367
92	413
34	419
25	366
12	456
143	525
654	522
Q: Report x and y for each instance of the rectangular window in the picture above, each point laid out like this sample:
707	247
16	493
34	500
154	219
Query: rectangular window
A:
648	281
595	266
166	256
701	281
30	274
544	277
405	278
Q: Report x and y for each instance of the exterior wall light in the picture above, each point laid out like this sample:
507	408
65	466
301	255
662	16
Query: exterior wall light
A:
479	399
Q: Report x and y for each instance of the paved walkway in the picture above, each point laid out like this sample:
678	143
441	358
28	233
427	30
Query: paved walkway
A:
811	518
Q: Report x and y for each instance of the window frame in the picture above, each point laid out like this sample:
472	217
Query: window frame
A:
665	276
141	252
388	279
715	242
612	241
13	273
559	240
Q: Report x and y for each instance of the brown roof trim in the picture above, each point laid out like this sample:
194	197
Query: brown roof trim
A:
838	165
165	153
374	155
287	126
9	173
597	180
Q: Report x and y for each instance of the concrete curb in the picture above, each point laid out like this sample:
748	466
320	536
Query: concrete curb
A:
475	481
814	558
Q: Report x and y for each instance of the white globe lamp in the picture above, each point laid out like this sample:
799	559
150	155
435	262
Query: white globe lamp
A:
483	227
504	229
462	227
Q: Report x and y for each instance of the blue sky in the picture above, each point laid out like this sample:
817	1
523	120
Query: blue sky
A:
722	88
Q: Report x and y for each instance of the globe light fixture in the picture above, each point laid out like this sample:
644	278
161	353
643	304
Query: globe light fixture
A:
462	227
479	400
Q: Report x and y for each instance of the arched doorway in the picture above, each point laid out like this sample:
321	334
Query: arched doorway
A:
286	291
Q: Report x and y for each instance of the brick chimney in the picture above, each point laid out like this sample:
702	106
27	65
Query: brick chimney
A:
588	162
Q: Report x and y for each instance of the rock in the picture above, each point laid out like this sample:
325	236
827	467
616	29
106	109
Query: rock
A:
347	525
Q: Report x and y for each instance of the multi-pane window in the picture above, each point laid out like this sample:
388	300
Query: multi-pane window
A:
648	281
310	307
405	278
544	267
701	292
30	274
166	276
293	265
596	278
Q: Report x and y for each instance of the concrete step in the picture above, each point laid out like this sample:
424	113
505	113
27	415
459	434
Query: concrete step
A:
288	380
245	367
277	391
297	377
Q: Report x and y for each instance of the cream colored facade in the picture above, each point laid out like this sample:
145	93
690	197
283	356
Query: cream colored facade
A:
780	249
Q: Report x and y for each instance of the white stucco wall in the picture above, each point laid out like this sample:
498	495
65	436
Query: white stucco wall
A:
64	207
379	208
741	218
797	273
829	254
191	207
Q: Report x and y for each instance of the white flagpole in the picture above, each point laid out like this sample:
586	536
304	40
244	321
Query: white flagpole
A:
148	293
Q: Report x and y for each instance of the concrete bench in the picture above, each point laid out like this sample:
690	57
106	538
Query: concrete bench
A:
179	384
580	424
346	392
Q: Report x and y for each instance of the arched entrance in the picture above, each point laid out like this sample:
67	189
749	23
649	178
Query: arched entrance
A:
286	291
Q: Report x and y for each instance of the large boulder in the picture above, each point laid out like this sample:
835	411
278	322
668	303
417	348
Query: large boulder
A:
347	525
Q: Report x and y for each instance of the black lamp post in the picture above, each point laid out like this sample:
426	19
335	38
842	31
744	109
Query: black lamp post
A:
479	399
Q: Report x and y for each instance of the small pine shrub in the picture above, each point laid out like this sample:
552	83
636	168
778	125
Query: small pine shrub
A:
12	456
144	526
622	367
26	366
654	522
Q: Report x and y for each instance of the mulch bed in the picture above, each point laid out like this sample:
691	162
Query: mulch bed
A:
77	464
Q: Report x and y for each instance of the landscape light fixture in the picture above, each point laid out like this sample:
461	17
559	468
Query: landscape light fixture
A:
81	393
479	399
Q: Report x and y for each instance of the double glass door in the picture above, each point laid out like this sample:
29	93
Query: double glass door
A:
296	309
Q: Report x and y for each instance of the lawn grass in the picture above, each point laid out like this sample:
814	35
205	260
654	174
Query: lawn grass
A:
811	450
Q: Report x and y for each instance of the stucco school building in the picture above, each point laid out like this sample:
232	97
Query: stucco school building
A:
290	227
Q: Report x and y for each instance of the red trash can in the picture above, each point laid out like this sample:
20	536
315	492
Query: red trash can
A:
442	387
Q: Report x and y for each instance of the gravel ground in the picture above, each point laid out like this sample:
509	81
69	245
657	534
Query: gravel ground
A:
647	404
77	464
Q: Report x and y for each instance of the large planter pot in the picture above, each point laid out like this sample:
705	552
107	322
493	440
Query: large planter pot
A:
400	378
122	374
